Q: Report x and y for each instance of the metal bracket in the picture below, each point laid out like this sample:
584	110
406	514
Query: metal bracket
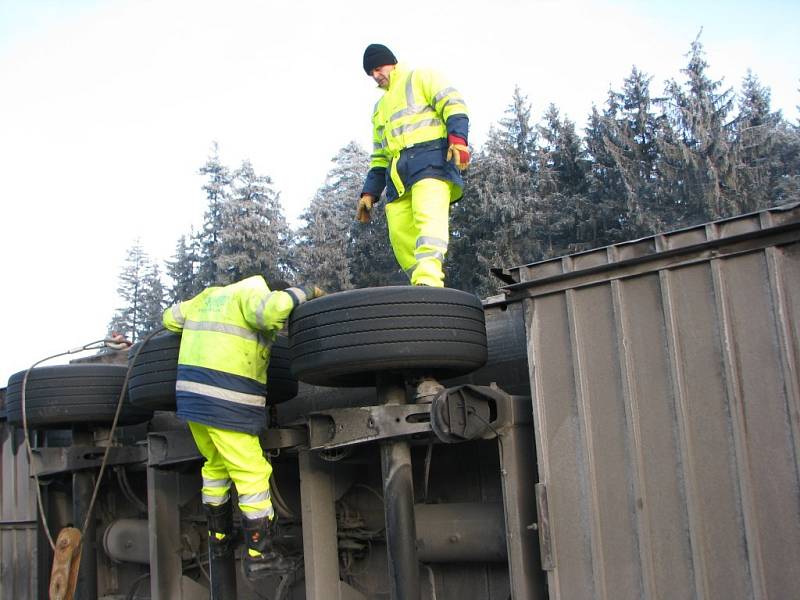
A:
51	461
341	427
276	438
469	412
171	448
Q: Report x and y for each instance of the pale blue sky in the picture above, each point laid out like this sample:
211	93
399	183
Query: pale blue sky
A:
108	109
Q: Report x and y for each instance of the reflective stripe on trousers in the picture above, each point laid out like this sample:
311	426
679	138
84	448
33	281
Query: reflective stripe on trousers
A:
419	230
238	457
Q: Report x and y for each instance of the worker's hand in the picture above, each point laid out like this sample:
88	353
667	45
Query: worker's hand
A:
313	291
458	152
364	208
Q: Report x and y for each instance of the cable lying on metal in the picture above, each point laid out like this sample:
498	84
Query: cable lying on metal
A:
115	344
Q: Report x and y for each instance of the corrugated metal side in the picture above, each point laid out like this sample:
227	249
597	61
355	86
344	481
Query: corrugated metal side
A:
667	414
18	549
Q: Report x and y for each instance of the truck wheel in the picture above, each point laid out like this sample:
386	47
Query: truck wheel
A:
154	371
344	339
69	394
281	384
152	383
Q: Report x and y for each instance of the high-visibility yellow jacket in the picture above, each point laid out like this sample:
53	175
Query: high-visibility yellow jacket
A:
410	125
226	337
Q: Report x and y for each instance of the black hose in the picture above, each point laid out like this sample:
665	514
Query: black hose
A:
135	586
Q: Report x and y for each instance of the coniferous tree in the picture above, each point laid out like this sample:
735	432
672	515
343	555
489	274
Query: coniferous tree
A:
372	261
698	161
497	223
217	188
608	194
466	263
153	301
630	134
757	131
563	186
369	252
181	270
326	240
515	135
141	292
254	236
785	176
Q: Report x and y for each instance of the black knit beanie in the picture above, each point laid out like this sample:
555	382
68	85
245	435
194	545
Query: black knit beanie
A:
377	55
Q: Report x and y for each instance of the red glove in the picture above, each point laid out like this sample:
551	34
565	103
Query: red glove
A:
458	151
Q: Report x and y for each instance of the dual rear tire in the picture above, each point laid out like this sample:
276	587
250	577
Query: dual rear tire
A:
346	339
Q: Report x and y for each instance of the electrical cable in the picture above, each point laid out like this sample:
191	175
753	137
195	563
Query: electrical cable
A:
369	489
202	570
431	581
283	586
281	506
95	345
428	457
114	427
135	586
127	489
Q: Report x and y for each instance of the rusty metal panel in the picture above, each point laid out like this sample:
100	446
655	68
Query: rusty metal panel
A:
665	386
18	532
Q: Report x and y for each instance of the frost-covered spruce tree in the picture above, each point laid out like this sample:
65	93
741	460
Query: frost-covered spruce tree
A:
324	238
141	293
153	301
626	136
181	270
217	189
608	193
564	206
495	224
699	164
758	145
785	186
254	236
369	253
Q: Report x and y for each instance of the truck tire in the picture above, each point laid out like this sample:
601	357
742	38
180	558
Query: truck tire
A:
345	339
281	384
154	371
152	383
71	394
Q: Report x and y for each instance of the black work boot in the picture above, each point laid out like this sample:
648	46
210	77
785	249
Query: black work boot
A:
261	557
221	544
220	528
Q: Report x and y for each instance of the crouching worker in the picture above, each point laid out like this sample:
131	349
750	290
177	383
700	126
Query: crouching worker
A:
221	393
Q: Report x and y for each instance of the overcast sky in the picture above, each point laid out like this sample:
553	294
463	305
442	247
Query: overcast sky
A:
108	109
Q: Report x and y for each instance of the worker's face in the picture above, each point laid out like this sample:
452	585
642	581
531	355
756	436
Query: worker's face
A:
381	75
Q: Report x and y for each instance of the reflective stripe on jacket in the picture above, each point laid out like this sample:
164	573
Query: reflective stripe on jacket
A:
410	125
225	345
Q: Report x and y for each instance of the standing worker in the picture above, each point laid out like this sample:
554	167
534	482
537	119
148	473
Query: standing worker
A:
420	128
221	393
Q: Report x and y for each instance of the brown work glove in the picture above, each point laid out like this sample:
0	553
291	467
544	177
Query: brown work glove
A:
313	291
364	208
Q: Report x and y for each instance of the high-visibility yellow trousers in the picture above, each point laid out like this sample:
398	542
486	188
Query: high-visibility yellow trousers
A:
233	456
419	230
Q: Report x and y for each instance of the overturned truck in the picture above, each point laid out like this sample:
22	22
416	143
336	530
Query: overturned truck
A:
619	423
